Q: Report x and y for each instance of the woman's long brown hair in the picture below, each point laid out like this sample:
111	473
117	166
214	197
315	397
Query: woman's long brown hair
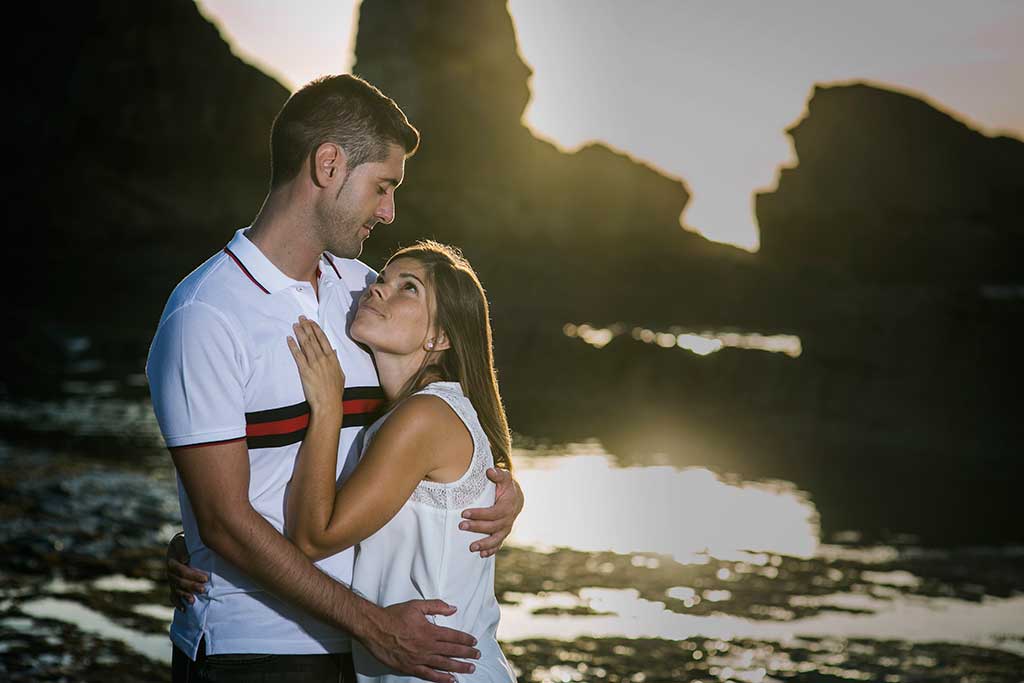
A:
463	315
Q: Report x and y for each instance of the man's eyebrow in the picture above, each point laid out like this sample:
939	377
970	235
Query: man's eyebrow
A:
412	276
394	182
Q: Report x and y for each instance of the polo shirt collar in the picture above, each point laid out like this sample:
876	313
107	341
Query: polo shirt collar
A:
263	273
329	267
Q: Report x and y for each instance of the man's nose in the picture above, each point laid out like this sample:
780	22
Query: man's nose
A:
386	209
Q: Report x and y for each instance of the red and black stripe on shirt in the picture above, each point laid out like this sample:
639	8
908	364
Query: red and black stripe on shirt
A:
284	426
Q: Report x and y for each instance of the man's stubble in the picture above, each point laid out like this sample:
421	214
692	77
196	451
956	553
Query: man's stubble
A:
337	225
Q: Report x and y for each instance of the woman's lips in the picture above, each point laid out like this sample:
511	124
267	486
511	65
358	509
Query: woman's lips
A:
371	309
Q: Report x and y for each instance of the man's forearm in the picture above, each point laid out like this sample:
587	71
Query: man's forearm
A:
249	542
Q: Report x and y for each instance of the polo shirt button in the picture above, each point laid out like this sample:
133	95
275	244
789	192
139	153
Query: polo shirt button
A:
299	288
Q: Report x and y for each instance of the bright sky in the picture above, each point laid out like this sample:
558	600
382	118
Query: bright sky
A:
702	90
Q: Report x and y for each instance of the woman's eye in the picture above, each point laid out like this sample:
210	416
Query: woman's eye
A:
382	190
410	286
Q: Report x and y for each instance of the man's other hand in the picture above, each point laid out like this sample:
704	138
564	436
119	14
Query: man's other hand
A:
497	520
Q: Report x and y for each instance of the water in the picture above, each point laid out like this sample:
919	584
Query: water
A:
701	342
635	569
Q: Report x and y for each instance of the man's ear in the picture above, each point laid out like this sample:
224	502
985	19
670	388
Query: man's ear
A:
328	165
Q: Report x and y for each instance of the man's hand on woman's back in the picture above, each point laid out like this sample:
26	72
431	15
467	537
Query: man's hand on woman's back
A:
497	520
400	635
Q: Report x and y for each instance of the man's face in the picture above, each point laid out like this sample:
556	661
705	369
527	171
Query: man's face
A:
346	216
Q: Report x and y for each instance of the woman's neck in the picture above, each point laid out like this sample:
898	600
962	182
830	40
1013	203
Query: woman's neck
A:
396	372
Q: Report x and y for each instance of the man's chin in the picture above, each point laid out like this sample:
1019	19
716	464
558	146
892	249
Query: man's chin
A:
347	250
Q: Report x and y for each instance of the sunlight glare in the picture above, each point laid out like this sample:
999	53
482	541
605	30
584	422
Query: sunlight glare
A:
686	513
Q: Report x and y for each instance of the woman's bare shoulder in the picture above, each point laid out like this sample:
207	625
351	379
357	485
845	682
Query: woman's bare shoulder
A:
431	426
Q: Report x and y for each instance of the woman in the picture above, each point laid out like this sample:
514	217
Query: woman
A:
426	322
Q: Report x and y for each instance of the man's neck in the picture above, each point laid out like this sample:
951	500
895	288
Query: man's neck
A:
283	233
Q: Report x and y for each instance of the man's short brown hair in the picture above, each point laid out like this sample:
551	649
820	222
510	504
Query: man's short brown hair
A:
345	110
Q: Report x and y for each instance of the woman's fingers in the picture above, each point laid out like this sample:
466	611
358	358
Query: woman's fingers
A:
300	358
313	341
306	342
325	343
316	336
316	346
327	353
308	347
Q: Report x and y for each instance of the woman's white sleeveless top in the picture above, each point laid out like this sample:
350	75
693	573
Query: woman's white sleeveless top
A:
422	554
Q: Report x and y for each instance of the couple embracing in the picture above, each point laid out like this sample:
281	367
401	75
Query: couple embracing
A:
340	442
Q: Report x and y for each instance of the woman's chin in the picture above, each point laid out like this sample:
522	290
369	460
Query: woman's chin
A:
357	332
363	337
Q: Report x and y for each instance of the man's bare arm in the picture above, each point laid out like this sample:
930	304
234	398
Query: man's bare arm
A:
216	478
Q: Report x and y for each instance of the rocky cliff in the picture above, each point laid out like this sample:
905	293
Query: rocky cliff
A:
890	189
875	251
592	235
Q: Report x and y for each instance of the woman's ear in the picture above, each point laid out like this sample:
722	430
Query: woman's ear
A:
439	342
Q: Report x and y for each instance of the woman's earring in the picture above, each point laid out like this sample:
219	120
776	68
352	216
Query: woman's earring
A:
430	345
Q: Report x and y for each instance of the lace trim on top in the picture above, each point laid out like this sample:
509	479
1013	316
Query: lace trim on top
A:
467	488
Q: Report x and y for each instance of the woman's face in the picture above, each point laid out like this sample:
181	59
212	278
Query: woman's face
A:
395	312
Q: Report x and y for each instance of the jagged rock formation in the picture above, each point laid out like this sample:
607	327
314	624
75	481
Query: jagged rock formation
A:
904	193
890	189
592	235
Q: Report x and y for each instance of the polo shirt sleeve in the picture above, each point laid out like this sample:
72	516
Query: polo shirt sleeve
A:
196	371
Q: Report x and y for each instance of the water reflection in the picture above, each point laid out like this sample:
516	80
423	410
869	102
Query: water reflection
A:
612	573
751	567
690	514
991	623
702	343
153	646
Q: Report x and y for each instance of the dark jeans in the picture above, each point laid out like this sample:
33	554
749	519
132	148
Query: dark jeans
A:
260	668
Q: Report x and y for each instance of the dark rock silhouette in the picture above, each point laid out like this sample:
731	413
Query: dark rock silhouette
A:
138	142
890	189
141	141
555	236
887	300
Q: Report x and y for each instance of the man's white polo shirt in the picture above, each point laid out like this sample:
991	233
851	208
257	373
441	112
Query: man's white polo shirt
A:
220	370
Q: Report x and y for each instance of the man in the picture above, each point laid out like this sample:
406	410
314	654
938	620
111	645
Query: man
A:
229	402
